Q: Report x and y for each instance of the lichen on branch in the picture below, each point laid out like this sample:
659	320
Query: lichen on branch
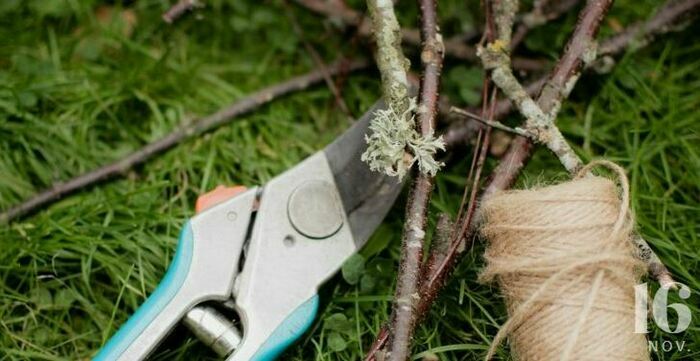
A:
395	145
390	59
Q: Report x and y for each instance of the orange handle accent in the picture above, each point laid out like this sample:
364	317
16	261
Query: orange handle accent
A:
217	195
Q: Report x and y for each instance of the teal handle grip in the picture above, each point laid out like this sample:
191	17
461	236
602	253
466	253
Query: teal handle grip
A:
155	303
289	331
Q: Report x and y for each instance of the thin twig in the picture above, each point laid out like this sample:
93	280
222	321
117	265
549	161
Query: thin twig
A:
542	12
671	14
454	47
186	131
468	208
322	66
493	123
405	299
461	132
502	178
664	20
540	117
180	8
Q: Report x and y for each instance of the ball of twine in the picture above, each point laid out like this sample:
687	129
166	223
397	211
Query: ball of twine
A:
563	258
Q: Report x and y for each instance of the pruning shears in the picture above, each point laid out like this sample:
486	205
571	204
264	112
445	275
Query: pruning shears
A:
259	255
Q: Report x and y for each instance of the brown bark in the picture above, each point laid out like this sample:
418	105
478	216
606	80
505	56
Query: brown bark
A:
568	66
454	47
179	9
406	297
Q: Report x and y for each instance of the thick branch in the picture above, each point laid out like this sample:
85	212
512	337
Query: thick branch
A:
406	297
504	176
186	131
390	59
541	116
580	49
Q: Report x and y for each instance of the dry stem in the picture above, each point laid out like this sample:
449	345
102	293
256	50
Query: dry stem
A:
540	116
186	131
454	46
406	297
322	66
390	59
513	162
180	8
542	12
670	14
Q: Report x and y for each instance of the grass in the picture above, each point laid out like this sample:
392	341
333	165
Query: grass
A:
81	87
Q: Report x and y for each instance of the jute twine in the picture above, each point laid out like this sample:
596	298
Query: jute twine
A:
563	258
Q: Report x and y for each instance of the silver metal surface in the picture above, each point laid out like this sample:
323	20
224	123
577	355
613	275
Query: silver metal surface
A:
218	243
367	196
331	195
315	210
213	329
279	276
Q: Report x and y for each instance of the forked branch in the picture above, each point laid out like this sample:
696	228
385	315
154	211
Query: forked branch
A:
540	115
518	154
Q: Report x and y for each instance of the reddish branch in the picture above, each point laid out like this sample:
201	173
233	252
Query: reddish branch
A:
665	19
186	131
403	316
672	13
180	8
511	165
542	12
554	91
454	47
568	66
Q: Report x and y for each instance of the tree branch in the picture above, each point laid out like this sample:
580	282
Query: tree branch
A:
664	20
179	9
494	123
542	12
540	116
454	47
390	59
502	178
185	131
392	66
671	13
322	66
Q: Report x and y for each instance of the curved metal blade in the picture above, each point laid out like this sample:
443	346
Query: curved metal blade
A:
367	196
